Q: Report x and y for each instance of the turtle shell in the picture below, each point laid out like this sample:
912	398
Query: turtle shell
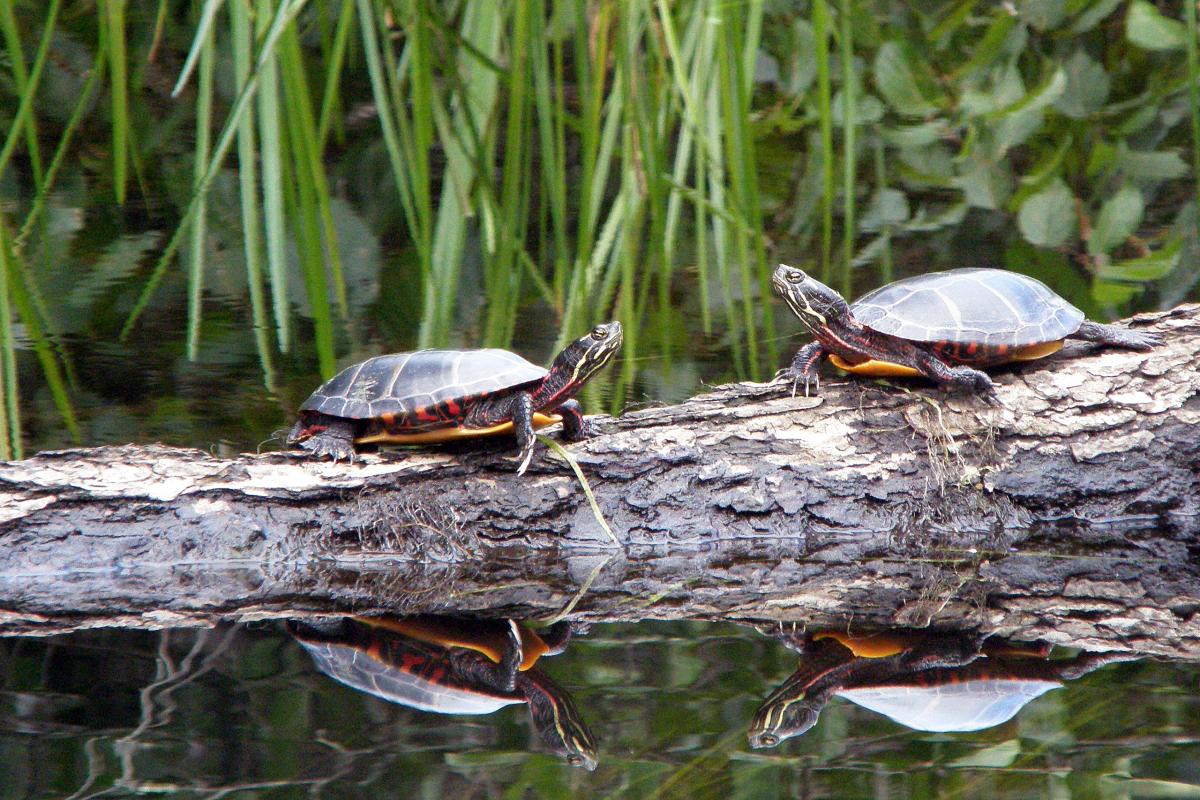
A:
357	669
989	307
401	383
968	705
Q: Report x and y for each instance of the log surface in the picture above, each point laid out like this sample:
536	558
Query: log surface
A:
1069	512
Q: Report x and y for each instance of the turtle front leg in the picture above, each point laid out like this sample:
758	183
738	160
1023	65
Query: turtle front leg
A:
522	419
575	427
1116	336
501	676
559	634
806	366
325	437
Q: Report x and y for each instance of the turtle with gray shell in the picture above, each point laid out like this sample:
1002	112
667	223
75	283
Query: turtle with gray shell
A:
450	665
441	395
926	682
942	325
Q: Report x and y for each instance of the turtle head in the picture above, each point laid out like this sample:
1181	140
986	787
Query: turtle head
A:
579	749
585	356
812	301
557	720
782	716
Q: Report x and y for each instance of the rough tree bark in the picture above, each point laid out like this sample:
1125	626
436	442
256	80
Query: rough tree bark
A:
881	503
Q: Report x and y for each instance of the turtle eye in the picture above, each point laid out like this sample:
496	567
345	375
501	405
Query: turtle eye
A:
795	277
598	332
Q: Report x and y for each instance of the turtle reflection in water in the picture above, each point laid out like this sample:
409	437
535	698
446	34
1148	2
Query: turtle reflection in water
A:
453	666
928	682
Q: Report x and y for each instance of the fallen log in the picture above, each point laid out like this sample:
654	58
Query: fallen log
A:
1069	512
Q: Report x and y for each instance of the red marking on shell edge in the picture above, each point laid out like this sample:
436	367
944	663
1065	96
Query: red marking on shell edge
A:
410	662
388	419
426	415
971	348
453	408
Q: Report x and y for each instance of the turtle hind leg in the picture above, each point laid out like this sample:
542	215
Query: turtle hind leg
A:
1116	336
966	378
325	437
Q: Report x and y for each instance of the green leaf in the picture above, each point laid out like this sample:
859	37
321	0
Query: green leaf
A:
1151	165
985	184
1149	29
915	135
1043	15
996	756
899	82
888	207
1047	219
1044	94
1119	217
1087	86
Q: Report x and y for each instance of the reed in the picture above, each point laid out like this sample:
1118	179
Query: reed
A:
1193	84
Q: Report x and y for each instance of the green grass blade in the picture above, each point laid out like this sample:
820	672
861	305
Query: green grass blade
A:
275	230
208	14
16	57
820	21
199	230
1193	71
305	211
849	146
20	297
583	484
118	84
10	407
309	168
333	73
248	185
25	109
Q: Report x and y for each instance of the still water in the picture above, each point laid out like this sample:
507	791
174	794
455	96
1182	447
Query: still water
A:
251	711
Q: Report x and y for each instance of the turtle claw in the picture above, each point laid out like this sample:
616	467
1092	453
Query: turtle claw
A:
526	457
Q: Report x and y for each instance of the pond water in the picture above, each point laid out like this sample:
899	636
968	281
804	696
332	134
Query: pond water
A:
245	711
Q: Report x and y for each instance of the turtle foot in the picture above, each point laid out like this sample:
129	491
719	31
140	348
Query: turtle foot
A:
332	447
585	430
1116	336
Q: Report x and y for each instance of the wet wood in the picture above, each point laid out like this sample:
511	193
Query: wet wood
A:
1069	512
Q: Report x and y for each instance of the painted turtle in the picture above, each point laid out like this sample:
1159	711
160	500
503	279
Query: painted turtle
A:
453	666
440	395
942	325
928	683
